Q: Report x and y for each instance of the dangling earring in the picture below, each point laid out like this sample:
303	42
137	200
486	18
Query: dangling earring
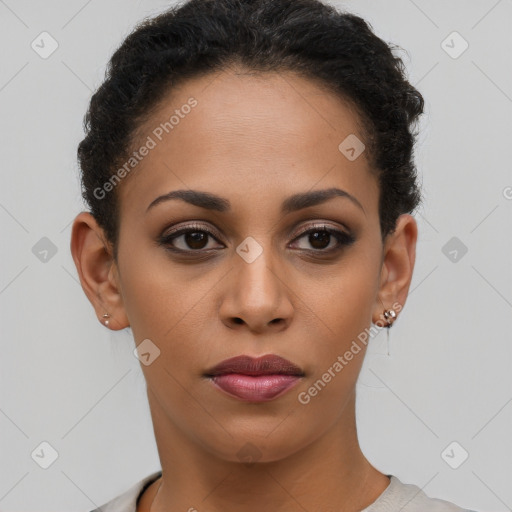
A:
389	316
106	321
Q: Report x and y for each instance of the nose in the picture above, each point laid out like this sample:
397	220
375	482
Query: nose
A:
257	296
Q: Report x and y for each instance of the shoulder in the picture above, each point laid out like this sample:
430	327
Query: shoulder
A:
127	501
409	498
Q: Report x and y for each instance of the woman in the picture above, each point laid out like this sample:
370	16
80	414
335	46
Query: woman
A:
249	171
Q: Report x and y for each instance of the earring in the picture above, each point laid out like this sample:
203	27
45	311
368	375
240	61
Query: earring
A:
106	321
389	316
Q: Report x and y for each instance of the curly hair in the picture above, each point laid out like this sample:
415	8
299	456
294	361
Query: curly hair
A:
308	37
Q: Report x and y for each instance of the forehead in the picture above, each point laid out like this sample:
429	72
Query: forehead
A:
248	135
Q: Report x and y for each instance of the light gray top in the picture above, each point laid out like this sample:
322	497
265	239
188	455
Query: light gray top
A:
396	497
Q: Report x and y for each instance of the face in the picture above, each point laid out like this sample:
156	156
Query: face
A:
256	262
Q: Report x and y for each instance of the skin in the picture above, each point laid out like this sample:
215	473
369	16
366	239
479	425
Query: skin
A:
253	140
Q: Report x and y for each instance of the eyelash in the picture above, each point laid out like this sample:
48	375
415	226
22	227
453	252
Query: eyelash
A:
344	239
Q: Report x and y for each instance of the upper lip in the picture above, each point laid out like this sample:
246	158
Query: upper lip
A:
265	365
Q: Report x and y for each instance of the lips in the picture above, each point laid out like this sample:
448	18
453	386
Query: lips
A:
264	365
255	379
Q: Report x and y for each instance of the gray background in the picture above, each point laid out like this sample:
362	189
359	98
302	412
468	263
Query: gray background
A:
67	380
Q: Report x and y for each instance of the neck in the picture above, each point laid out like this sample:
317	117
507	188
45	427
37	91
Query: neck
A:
330	473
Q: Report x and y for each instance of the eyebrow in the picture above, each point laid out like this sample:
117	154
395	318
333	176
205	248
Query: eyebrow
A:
293	203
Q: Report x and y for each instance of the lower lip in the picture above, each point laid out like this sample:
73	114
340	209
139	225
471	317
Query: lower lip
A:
256	388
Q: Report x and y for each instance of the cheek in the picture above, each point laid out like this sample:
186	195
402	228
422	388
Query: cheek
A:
339	311
169	304
166	308
162	305
346	296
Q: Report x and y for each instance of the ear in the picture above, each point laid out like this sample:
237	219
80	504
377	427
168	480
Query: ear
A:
399	254
97	270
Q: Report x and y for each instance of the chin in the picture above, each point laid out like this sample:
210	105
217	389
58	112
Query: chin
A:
257	447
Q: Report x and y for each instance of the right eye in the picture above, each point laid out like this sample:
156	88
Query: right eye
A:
191	239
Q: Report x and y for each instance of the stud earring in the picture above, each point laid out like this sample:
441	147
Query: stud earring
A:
106	316
389	316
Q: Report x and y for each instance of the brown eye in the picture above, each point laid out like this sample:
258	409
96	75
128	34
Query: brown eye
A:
196	239
319	239
324	239
189	239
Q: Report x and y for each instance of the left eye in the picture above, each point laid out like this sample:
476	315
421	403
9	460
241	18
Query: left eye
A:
321	237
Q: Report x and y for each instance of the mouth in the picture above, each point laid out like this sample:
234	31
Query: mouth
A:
255	379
